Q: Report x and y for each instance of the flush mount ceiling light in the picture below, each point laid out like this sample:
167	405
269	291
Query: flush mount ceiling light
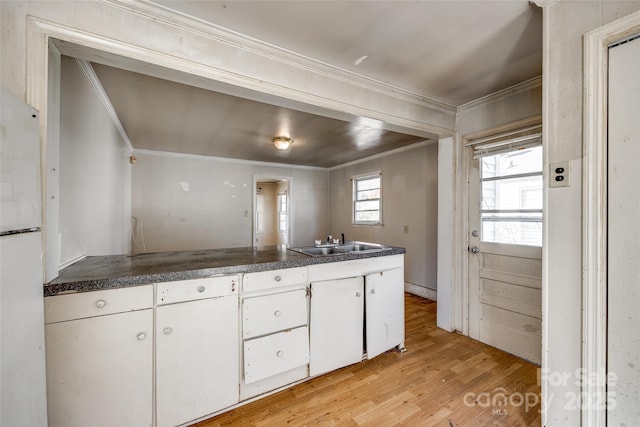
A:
282	142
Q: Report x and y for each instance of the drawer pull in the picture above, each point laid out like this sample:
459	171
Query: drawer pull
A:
142	336
373	291
278	278
279	353
167	331
101	303
357	294
201	289
277	313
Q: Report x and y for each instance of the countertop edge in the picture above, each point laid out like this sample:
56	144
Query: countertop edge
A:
79	286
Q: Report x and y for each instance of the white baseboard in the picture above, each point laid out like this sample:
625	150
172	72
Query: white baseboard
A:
421	291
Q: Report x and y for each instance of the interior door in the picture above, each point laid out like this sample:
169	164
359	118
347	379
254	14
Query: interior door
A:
505	238
623	266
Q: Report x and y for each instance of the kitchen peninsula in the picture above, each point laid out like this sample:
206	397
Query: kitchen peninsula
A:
171	338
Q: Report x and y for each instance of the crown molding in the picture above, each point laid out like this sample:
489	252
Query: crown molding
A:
89	72
186	22
504	93
543	3
385	154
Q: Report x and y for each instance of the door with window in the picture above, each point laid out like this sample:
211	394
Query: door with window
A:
505	241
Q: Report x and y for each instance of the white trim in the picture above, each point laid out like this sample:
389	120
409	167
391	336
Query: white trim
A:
222	159
385	154
503	93
594	251
359	177
173	17
421	291
89	72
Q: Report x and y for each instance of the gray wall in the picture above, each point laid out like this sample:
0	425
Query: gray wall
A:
189	202
409	197
566	23
95	173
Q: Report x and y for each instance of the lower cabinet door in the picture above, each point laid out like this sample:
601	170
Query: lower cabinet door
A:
276	353
385	310
196	359
337	317
100	371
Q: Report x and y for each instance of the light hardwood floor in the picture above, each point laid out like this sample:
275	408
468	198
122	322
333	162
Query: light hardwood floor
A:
443	379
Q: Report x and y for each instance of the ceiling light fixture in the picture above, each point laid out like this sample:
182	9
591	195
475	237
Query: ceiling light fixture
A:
282	142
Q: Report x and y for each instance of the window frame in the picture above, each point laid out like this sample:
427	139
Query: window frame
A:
354	185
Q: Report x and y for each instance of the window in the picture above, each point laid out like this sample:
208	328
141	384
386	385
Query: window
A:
282	212
367	199
511	206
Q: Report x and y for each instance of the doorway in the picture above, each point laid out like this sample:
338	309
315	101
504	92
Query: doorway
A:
505	241
623	230
272	212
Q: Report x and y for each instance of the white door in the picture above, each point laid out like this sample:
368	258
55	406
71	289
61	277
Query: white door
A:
197	359
623	281
337	324
384	311
100	371
505	237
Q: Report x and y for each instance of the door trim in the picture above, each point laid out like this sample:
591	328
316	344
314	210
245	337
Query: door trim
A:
594	211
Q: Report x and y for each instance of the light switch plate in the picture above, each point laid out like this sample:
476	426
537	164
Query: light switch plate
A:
560	174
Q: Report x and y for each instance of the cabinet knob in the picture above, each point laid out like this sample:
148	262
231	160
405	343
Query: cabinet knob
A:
357	294
167	331
278	278
277	313
279	353
201	289
142	336
373	291
101	303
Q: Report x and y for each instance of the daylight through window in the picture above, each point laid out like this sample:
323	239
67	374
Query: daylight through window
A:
511	207
367	199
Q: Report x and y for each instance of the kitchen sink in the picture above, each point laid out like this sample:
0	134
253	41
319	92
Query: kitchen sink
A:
361	247
320	251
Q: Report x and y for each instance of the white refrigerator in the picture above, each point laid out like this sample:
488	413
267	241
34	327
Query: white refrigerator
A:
22	353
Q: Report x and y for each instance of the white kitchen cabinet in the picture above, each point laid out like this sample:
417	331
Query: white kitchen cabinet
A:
100	370
197	362
337	321
384	312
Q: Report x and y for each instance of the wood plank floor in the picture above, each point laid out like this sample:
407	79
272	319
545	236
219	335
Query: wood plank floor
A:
443	379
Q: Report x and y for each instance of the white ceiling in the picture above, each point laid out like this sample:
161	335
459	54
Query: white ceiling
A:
450	51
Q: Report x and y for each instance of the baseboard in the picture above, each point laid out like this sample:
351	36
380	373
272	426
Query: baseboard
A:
421	291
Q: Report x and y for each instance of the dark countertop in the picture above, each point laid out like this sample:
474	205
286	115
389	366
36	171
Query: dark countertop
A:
119	271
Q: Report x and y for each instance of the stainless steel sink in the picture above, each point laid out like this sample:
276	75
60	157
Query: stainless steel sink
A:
361	247
319	251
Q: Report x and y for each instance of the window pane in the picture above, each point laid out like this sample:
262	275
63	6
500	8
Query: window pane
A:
513	163
368	194
367	216
367	184
368	205
514	232
513	193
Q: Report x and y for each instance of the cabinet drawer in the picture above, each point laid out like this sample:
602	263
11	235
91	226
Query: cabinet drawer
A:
274	279
272	313
189	290
59	308
274	354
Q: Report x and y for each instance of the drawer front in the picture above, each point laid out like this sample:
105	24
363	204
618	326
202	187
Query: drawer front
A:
195	289
60	308
274	354
274	279
271	313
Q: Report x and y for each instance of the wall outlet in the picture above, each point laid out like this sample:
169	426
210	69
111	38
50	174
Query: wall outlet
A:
560	174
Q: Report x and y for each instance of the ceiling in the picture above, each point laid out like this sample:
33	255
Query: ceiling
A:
450	51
